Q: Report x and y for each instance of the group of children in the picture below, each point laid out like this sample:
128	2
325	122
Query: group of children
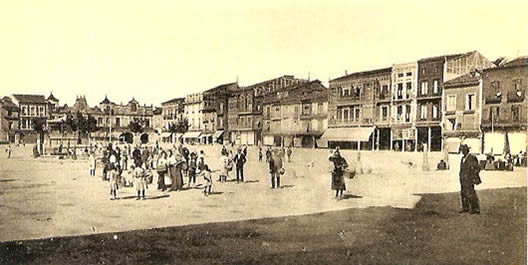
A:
140	172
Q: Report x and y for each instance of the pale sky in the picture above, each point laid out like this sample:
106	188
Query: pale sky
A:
157	50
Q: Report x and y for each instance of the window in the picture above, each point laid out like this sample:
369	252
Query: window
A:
399	92
409	73
32	110
435	87
495	85
346	114
435	112
494	113
517	84
384	113
99	121
24	110
356	111
147	123
423	70
408	92
357	92
400	75
399	112
425	88
516	113
345	91
423	112
470	101
451	103
42	111
407	113
118	122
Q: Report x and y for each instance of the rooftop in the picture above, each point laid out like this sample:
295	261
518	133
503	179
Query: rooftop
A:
470	78
363	74
26	98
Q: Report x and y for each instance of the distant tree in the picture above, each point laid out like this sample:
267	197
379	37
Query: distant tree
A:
182	126
39	125
137	126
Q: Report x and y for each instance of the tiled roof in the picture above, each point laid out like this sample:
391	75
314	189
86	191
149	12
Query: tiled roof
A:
25	98
448	56
174	100
363	74
519	61
467	79
220	87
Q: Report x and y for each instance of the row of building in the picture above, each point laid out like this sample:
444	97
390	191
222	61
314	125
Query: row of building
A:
434	103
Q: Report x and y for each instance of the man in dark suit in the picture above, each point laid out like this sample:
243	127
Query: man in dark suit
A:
240	160
469	177
275	166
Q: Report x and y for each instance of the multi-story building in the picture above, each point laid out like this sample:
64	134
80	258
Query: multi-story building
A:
354	103
432	73
245	108
295	115
31	107
173	111
157	119
8	121
193	106
462	112
504	112
215	117
403	110
117	117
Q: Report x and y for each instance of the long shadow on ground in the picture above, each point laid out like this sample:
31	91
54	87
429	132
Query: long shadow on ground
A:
432	233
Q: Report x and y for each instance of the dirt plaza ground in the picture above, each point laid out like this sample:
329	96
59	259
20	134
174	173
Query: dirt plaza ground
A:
48	198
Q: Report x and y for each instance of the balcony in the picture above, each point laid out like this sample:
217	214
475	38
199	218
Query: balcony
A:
515	96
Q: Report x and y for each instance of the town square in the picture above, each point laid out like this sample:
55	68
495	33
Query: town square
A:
144	134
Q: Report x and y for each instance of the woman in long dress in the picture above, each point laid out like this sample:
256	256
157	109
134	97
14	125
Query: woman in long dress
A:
175	172
338	179
161	169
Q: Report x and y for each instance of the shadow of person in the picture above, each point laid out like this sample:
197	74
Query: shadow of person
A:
251	181
216	193
351	196
128	197
286	186
158	197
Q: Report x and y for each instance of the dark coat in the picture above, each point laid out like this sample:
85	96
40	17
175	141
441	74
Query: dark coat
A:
469	171
338	179
240	160
275	164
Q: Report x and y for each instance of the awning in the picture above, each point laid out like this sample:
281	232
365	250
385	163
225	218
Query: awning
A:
348	134
166	134
218	134
192	135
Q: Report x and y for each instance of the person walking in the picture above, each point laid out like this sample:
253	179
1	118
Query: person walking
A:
260	154
161	169
469	177
338	179
8	151
289	153
268	154
275	167
239	161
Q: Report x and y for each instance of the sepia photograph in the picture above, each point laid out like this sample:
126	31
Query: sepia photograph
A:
263	132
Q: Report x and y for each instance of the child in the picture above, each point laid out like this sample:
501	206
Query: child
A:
260	154
114	181
8	151
206	173
140	182
192	169
92	162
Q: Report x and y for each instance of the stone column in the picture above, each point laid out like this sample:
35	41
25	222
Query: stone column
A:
428	138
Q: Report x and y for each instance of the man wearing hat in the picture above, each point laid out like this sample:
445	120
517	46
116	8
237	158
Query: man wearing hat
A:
469	177
240	160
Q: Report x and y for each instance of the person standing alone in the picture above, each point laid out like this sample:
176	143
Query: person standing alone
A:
240	160
275	166
469	177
